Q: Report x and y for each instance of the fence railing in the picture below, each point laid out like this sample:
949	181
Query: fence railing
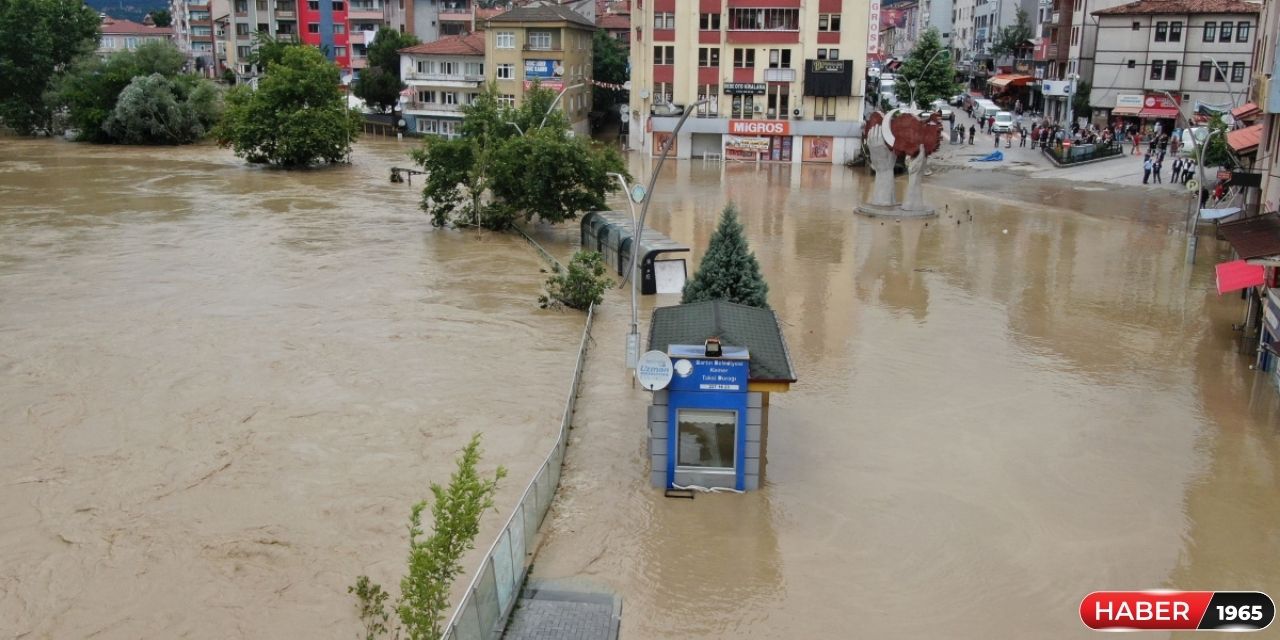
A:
493	591
1062	156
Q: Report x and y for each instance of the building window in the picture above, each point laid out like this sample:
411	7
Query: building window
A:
833	54
744	58
1175	31
1206	71
507	100
779	58
1132	64
313	5
1075	36
662	93
313	27
1162	31
475	69
540	40
426	126
824	108
764	19
1242	32
1170	69
664	21
448	97
828	22
709	22
1157	69
822	54
664	55
337	6
427	97
706	440
710	93
449	68
1237	72
1224	32
506	40
131	43
708	56
339	52
1210	29
506	72
743	106
779	101
339	28
1137	26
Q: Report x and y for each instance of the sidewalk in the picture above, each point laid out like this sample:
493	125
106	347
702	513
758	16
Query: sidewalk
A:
1028	162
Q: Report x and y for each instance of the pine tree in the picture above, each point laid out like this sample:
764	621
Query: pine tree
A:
729	270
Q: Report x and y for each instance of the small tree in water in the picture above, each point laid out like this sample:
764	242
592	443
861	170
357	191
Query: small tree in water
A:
729	270
581	286
434	561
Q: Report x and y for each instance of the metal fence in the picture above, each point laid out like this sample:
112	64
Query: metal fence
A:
1062	156
493	591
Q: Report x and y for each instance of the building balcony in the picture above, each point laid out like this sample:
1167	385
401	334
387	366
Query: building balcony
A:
286	37
286	14
243	36
551	49
432	108
455	16
364	14
445	77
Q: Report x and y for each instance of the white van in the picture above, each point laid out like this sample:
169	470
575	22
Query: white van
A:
983	108
1004	122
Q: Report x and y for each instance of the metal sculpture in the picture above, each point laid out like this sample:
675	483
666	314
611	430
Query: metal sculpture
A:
900	134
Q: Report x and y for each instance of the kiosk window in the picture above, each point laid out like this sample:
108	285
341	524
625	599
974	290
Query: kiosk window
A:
707	439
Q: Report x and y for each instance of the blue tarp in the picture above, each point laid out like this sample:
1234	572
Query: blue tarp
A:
994	156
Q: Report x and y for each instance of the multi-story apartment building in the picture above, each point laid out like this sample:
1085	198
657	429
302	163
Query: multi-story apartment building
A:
936	14
126	35
782	80
325	24
1082	36
1052	53
548	44
365	18
963	32
1169	59
1266	95
193	33
278	19
443	76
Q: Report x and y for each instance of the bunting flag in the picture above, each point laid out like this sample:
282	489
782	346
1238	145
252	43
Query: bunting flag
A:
608	85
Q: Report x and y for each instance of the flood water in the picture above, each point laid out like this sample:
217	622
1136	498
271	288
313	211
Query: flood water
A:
223	387
995	416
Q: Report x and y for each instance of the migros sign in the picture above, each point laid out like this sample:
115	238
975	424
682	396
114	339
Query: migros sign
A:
760	127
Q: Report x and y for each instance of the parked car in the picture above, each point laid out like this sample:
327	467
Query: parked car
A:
939	106
957	100
1004	122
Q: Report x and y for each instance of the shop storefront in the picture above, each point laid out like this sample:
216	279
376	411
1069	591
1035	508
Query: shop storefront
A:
1127	110
1159	109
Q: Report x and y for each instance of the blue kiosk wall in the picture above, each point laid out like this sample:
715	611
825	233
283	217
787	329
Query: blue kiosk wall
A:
707	422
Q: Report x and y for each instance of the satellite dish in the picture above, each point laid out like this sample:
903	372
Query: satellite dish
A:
654	370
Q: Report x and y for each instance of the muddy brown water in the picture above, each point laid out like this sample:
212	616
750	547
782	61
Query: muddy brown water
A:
223	387
995	417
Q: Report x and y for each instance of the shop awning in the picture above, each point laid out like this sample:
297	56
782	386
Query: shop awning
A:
1238	274
1245	140
1248	110
1158	112
1009	80
1253	237
1126	111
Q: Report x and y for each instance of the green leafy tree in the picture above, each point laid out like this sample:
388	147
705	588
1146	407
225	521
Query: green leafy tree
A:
580	286
729	270
38	39
161	17
1080	100
378	88
493	175
1216	152
296	118
1011	37
932	72
608	64
435	561
384	53
158	110
89	91
267	50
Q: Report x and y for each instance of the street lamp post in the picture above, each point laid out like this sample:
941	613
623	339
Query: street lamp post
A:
1072	78
926	68
557	101
1195	196
633	336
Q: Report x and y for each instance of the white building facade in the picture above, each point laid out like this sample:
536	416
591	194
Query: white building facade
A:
442	77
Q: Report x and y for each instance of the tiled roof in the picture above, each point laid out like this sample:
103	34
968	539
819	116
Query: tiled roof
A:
114	27
471	44
543	14
614	21
1246	139
1181	7
735	324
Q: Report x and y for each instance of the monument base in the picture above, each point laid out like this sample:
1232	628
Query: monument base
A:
893	211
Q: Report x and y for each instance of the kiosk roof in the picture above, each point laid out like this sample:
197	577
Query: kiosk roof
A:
735	324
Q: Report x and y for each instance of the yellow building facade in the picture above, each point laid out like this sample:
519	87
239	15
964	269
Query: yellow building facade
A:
550	45
783	82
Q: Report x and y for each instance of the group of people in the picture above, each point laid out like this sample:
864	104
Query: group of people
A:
1152	163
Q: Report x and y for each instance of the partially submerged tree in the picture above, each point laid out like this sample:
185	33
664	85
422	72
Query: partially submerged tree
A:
729	270
513	164
435	561
91	89
930	67
38	39
379	84
158	110
581	285
297	117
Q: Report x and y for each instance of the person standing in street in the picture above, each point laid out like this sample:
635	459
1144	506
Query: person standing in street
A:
1146	168
971	130
997	139
1137	143
1155	168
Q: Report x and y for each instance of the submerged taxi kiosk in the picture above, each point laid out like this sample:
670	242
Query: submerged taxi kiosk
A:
709	427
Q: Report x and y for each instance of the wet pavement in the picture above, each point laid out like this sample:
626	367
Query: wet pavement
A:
1027	399
224	386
